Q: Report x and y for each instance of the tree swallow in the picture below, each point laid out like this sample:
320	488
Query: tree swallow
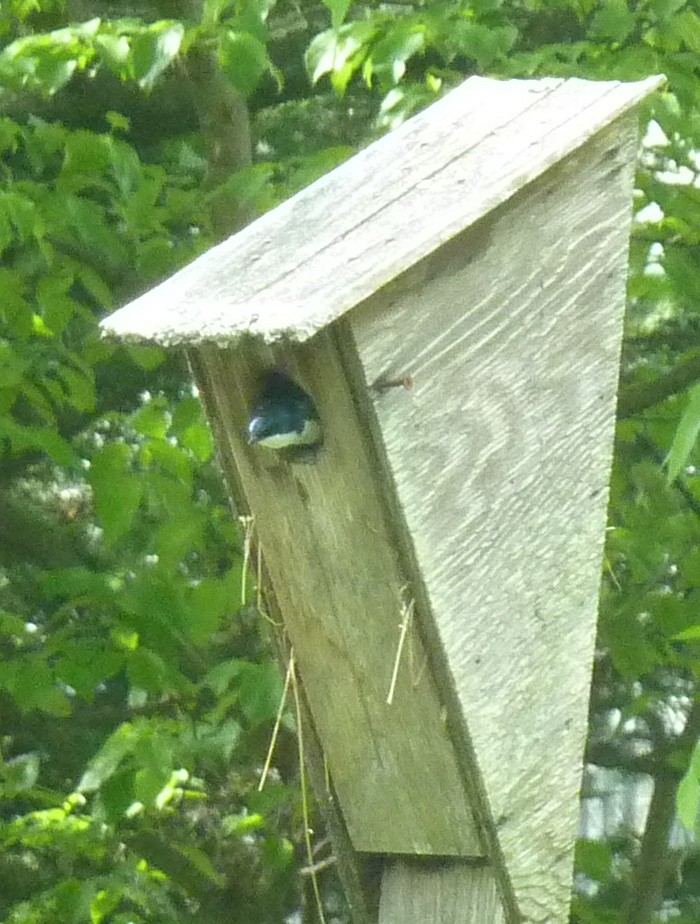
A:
285	416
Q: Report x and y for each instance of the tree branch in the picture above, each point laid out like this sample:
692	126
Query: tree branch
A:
642	395
658	456
615	758
225	125
646	890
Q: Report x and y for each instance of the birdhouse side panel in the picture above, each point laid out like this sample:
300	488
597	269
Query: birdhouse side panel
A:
500	455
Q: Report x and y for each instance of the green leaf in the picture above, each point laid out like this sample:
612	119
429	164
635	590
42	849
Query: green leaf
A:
79	387
198	439
688	798
46	61
72	899
81	585
486	6
86	156
149	781
146	670
57	307
614	20
116	795
117	121
686	435
31	682
116	490
219	677
53	73
154	259
688	635
278	852
119	745
212	10
339	53
209	602
339	10
115	51
86	664
242	824
390	54
216	740
154	50
152	419
260	692
153	601
19	774
29	439
594	859
188	411
10	135
485	44
104	903
93	229
202	864
12	366
147	357
173	460
662	9
23	214
688	25
96	286
11	625
155	751
139	186
14	308
251	16
244	60
178	537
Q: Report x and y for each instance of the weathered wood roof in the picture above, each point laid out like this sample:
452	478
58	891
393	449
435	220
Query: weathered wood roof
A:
304	264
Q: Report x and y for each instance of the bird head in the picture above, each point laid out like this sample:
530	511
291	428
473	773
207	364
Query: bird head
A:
284	416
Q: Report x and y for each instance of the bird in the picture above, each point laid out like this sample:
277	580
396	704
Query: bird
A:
285	416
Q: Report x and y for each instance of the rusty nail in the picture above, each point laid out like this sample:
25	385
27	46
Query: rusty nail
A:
404	381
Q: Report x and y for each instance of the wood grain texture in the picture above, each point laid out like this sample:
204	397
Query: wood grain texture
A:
359	873
500	454
304	264
337	578
429	892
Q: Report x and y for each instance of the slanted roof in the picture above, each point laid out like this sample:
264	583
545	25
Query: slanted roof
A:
304	264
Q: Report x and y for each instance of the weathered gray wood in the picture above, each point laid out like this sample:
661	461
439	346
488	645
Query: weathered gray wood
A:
443	892
358	873
336	574
314	257
500	454
492	272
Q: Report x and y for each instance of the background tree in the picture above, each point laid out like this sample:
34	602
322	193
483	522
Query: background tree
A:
136	687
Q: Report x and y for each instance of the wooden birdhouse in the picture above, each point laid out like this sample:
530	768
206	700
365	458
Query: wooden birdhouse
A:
451	301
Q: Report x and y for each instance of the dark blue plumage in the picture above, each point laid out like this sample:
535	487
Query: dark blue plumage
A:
285	415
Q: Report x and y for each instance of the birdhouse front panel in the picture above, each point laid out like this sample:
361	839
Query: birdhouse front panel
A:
500	453
336	573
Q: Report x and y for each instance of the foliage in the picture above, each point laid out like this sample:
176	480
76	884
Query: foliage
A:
140	51
123	625
120	630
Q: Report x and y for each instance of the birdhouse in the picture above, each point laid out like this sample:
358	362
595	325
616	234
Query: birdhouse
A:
446	308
